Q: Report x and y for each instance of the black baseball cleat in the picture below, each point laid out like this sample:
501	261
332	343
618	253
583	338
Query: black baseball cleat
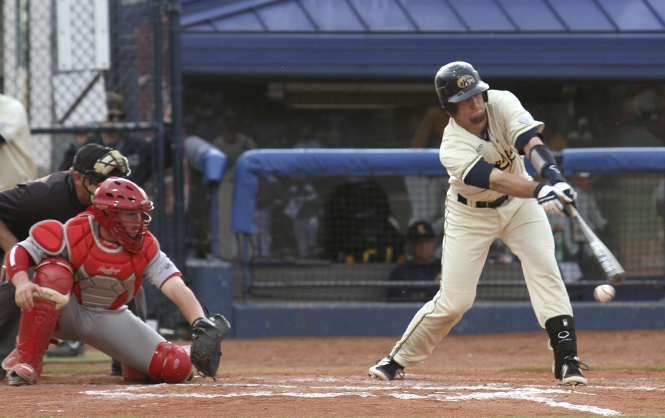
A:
386	369
116	368
67	349
16	380
571	372
3	373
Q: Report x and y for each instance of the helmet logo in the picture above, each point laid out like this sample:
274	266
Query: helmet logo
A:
465	81
101	206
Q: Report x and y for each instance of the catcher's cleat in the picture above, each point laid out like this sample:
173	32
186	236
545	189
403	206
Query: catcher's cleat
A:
3	373
571	372
67	349
386	369
22	374
116	368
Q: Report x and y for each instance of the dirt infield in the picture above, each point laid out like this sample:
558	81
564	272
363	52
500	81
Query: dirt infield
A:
467	376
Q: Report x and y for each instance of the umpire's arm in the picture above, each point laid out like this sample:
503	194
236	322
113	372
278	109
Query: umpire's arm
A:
175	289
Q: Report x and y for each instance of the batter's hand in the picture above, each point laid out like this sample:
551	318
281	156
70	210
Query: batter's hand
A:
550	200
566	193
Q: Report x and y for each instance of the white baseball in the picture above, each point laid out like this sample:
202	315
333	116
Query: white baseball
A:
604	293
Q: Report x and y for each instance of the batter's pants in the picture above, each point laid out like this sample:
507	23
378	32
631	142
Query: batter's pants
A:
469	232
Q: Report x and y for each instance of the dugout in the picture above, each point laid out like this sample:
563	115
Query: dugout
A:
364	69
585	57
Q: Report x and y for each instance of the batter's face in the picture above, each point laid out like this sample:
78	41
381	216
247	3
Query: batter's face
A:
471	112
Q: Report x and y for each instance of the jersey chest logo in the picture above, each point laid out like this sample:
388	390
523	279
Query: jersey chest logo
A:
506	160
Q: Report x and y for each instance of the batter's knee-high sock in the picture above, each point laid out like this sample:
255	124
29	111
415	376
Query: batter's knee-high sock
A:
561	330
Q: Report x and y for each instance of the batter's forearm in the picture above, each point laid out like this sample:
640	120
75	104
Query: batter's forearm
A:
511	184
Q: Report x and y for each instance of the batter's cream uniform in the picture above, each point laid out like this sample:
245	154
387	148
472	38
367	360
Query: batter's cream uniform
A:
470	230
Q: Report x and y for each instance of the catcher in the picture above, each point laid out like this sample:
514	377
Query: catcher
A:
86	270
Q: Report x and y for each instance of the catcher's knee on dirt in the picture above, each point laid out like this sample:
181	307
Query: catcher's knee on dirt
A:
131	374
170	363
54	277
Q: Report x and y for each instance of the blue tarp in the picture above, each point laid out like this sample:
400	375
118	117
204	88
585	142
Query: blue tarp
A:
402	162
571	39
612	160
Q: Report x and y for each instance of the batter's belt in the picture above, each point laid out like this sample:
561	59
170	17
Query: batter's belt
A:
493	204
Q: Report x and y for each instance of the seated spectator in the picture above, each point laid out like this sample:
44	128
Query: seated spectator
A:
581	136
80	139
424	266
359	226
303	208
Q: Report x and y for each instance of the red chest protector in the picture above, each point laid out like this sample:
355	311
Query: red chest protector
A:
104	277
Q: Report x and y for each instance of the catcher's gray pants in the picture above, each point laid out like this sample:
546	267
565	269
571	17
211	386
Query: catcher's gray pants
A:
10	315
118	333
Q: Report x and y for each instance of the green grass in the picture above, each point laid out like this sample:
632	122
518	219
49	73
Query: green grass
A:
90	356
76	370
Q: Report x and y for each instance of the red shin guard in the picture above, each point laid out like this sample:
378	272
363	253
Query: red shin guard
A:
170	363
34	336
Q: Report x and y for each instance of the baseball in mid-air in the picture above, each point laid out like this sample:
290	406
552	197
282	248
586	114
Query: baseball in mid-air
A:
604	293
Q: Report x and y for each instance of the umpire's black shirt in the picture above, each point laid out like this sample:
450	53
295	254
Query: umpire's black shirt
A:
50	197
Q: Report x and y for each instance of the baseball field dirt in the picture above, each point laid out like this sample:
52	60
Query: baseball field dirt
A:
492	375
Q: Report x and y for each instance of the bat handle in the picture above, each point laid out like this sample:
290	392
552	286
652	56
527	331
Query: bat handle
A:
572	210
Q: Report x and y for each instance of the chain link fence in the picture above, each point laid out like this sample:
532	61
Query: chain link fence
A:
61	58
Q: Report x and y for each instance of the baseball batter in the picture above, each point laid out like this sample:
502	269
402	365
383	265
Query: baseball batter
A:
100	257
492	196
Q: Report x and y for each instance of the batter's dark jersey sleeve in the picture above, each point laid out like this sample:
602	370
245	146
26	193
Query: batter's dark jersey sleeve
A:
50	197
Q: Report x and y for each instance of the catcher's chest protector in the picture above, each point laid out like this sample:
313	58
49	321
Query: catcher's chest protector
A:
104	277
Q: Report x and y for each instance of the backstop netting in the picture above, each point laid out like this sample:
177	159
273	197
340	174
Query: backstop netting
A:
324	225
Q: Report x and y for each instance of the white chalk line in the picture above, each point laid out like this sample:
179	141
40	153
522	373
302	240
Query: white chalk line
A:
539	394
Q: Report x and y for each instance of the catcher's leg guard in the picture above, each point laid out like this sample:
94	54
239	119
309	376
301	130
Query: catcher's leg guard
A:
170	363
130	373
10	361
55	278
34	336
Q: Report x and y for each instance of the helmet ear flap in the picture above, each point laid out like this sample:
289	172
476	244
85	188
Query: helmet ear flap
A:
450	108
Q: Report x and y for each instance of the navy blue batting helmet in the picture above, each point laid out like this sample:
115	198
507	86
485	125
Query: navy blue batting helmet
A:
456	82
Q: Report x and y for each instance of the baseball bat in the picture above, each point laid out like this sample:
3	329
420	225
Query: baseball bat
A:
604	257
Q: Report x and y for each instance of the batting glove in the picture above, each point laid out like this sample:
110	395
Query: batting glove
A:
549	199
565	192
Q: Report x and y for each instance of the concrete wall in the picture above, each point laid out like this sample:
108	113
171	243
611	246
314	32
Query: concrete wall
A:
213	281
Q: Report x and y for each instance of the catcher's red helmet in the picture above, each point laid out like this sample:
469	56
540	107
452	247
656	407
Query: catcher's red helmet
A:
114	203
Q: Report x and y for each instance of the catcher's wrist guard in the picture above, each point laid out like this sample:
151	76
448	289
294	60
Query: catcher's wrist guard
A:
207	334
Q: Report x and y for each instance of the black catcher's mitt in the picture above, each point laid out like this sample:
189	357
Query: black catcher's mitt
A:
207	333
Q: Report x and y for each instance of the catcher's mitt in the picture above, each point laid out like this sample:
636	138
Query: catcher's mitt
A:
207	333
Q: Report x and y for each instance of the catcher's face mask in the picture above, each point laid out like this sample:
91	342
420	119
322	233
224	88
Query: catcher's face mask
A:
123	209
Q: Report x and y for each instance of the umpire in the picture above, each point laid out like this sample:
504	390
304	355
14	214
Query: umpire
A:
60	196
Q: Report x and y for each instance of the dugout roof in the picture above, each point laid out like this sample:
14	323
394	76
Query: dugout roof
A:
407	39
